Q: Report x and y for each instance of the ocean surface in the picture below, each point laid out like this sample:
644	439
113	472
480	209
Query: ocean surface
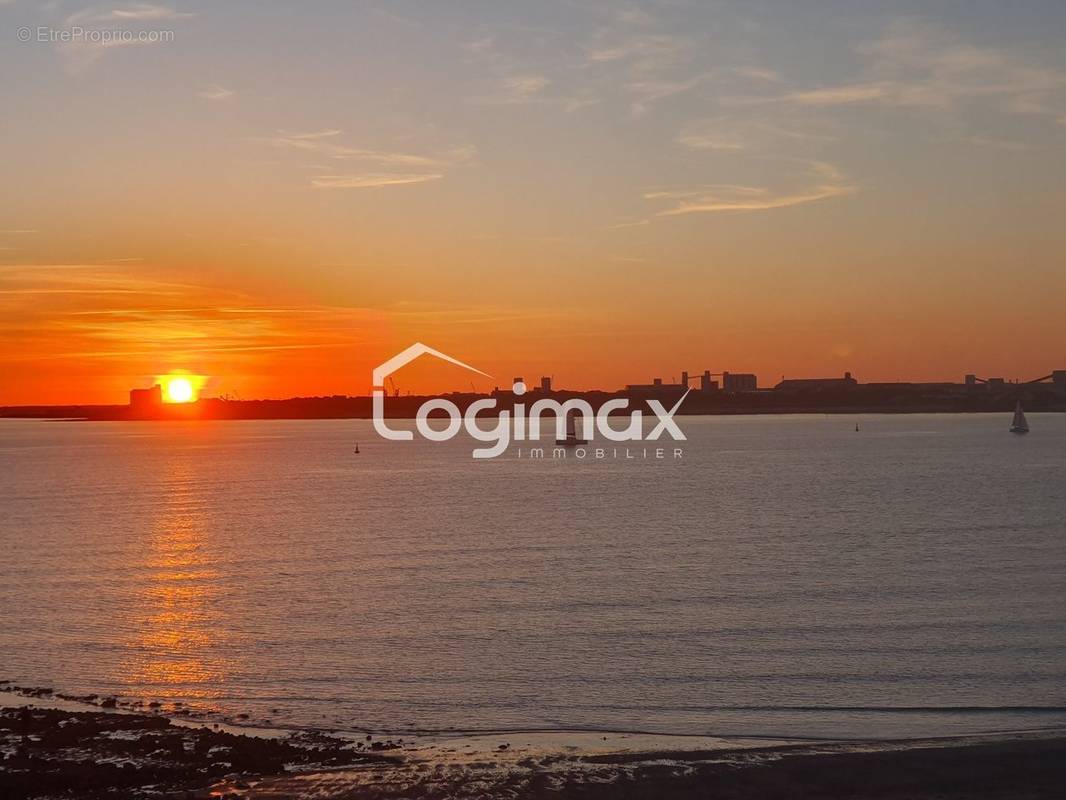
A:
788	575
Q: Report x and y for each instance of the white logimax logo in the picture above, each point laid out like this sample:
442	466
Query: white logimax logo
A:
515	424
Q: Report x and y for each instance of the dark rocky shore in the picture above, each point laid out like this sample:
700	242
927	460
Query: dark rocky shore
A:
105	755
90	755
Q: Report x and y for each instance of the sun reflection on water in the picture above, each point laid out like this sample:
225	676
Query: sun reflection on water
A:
178	632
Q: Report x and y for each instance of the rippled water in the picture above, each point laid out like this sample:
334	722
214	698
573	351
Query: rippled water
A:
787	576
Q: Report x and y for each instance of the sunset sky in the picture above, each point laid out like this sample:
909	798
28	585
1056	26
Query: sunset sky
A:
280	198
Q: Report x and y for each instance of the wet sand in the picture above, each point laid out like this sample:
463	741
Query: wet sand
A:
945	770
95	754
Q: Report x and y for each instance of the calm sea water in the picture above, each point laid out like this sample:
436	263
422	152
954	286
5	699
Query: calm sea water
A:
787	576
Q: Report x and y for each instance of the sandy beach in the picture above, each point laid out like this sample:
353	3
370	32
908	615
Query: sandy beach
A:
54	747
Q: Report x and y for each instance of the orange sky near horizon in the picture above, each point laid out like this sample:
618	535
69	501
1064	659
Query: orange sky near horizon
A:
600	194
93	333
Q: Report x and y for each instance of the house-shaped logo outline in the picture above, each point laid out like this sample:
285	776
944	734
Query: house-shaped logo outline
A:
417	350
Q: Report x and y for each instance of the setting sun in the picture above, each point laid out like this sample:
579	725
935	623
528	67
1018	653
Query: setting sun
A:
180	388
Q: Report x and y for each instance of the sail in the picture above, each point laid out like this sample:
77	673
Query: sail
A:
1019	423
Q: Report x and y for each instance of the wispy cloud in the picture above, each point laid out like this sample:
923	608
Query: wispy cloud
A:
917	65
751	133
216	92
96	315
516	90
627	50
647	93
410	168
324	143
128	12
526	85
89	311
30	279
646	51
371	180
655	64
763	74
513	78
812	181
116	27
846	95
752	199
635	37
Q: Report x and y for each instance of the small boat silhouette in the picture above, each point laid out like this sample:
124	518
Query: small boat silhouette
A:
1019	424
572	439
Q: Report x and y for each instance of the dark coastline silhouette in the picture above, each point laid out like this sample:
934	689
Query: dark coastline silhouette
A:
819	396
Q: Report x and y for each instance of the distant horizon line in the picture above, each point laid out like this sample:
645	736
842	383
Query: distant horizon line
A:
1056	378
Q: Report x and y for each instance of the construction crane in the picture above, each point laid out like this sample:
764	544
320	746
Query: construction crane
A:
392	385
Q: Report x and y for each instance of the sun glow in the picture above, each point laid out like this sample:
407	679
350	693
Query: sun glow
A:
181	388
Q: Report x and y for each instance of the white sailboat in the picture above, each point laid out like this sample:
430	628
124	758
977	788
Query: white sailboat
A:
1019	423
